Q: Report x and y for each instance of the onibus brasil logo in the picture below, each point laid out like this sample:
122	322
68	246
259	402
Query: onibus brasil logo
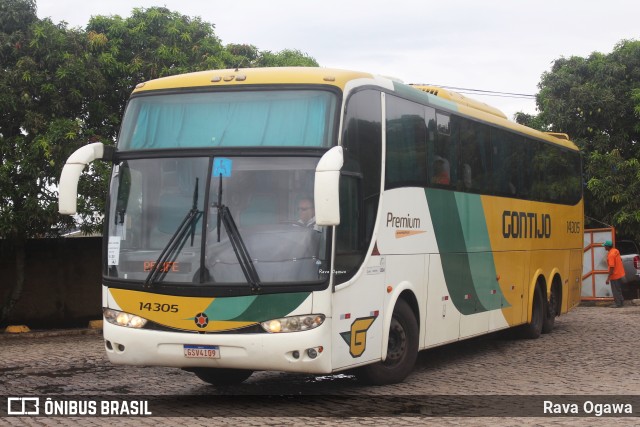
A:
34	406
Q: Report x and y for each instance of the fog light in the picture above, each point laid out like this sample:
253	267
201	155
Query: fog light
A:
312	353
296	354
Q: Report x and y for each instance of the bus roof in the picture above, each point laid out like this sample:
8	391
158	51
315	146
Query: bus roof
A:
460	99
254	76
340	78
478	110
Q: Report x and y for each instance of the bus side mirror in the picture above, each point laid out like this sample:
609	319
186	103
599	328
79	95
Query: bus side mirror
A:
68	186
326	188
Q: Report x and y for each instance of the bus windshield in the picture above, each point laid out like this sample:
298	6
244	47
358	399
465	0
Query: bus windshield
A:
273	118
165	227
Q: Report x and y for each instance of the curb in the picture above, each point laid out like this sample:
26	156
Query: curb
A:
21	331
48	334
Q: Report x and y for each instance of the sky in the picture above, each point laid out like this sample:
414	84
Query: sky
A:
489	45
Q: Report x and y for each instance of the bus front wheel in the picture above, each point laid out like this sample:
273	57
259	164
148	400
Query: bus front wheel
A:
402	350
222	377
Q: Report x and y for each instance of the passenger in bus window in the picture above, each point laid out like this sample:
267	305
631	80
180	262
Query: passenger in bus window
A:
466	176
440	172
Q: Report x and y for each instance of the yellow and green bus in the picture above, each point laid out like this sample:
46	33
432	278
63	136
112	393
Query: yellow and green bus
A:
319	220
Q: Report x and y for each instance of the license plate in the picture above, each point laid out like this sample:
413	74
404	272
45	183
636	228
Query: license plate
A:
202	351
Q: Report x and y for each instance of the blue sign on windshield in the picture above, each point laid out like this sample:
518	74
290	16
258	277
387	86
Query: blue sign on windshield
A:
222	167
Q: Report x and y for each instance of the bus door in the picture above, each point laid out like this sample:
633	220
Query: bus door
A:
357	320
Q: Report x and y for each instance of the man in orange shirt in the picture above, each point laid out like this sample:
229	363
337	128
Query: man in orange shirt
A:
616	272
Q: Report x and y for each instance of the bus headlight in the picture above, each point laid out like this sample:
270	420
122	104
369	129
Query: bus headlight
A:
293	323
121	318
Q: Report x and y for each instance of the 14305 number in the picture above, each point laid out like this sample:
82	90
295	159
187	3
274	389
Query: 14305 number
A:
154	306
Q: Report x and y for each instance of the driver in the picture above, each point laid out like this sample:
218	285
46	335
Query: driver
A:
306	213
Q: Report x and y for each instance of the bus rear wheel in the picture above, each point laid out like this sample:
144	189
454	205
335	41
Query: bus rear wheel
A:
222	377
402	350
533	329
550	312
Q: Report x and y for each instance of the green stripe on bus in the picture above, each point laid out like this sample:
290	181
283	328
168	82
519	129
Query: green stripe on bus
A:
255	308
478	246
229	308
465	251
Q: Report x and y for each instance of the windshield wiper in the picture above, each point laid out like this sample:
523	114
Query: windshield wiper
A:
170	252
239	247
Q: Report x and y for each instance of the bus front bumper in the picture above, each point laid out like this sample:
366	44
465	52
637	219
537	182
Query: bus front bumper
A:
290	352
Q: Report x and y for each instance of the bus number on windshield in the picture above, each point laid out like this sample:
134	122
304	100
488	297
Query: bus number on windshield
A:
165	308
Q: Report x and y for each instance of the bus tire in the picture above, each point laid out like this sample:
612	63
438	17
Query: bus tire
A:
222	377
533	329
402	350
550	312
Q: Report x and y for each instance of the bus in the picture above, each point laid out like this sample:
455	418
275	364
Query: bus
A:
319	220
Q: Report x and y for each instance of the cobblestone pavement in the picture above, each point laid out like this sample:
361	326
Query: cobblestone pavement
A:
593	353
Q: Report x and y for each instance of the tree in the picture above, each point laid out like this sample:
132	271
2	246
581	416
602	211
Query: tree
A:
248	56
242	55
596	100
530	120
287	57
46	86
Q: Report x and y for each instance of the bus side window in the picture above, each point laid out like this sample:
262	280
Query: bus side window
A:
406	161
474	156
443	152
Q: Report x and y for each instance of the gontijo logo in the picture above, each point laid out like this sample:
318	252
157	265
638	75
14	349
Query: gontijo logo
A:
526	225
406	225
356	338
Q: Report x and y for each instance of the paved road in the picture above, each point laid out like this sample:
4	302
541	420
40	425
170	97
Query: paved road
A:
593	353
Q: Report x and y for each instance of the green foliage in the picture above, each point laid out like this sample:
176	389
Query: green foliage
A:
248	56
16	15
242	55
596	100
287	57
46	87
529	120
614	183
152	43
